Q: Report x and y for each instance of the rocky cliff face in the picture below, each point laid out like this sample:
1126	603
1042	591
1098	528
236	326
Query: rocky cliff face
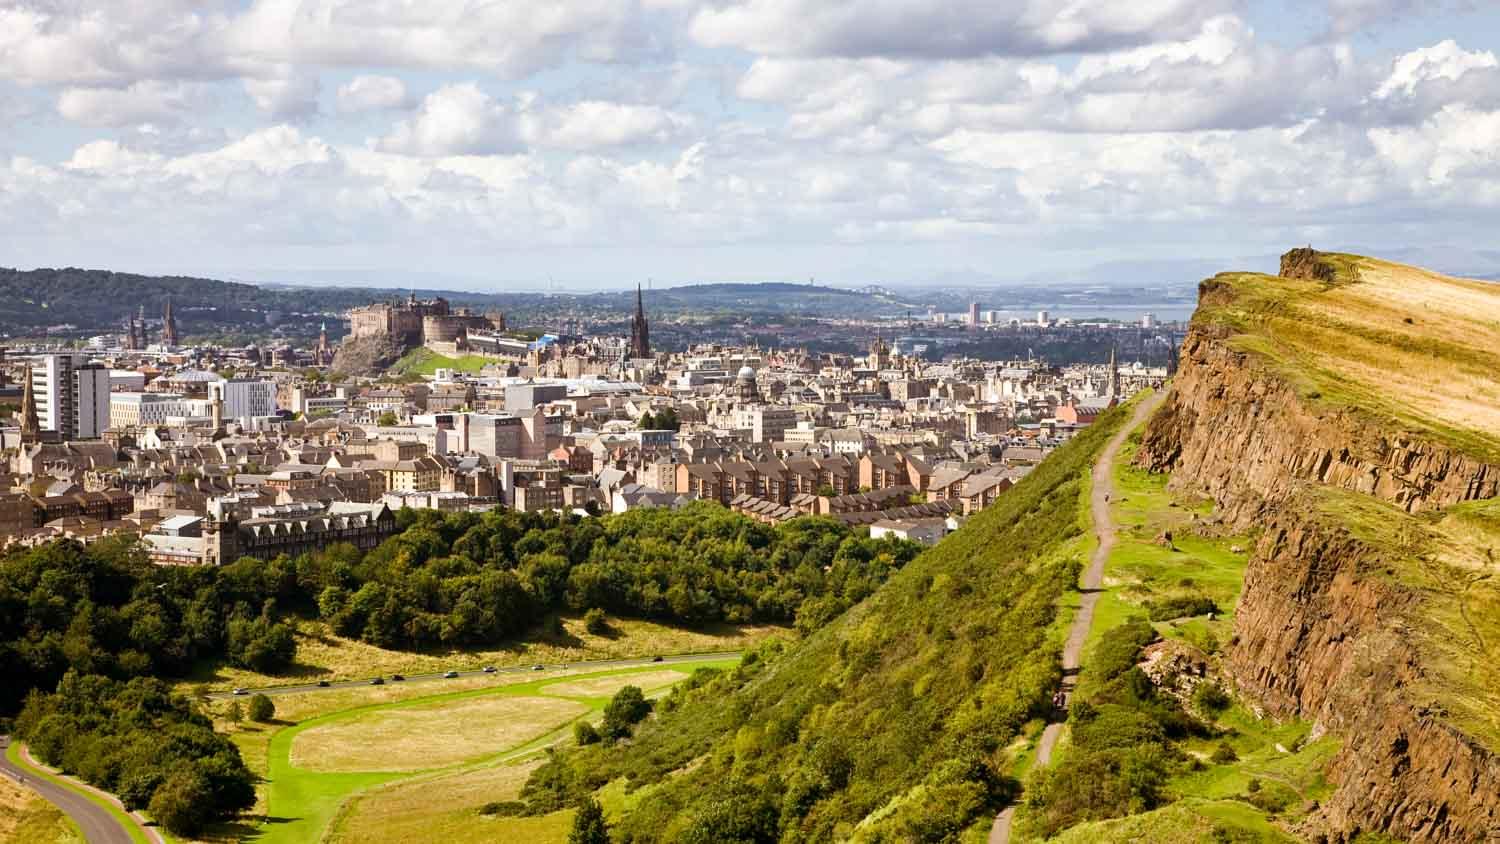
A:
1319	634
1236	433
366	355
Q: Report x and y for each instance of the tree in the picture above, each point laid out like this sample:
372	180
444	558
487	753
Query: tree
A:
584	733
181	803
588	824
627	708
387	419
235	713
595	622
262	709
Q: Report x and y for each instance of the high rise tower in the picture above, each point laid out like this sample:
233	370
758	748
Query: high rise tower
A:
640	336
168	326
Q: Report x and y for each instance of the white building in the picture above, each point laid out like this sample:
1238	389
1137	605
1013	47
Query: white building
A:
244	398
134	410
72	396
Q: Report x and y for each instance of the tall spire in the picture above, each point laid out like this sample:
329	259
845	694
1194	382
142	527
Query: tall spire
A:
1114	375
640	335
31	426
169	326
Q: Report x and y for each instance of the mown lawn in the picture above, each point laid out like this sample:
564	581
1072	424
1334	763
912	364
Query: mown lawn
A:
430	764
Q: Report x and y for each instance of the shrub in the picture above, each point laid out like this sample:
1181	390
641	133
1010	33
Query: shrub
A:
262	709
584	733
588	824
595	622
1180	606
1120	648
1224	754
627	708
504	808
1210	697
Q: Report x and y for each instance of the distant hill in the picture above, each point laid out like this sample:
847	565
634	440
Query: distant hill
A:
101	300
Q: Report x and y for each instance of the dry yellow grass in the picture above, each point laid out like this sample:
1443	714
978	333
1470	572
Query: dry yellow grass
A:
26	817
431	808
322	655
418	738
1416	347
606	686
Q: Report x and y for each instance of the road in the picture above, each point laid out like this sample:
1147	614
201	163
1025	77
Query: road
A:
594	665
1104	528
98	826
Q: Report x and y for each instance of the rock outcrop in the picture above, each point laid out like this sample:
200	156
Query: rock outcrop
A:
366	355
1319	633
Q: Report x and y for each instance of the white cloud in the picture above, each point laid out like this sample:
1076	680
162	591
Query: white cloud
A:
945	28
508	39
594	124
1443	61
372	93
289	95
141	102
455	120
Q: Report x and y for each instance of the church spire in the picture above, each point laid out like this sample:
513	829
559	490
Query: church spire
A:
640	336
168	326
1114	375
31	426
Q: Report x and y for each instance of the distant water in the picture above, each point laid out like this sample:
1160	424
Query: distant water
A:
1164	312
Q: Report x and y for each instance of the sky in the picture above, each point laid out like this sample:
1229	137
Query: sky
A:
591	144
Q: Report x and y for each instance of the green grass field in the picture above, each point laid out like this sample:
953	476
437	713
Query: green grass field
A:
397	764
423	361
321	655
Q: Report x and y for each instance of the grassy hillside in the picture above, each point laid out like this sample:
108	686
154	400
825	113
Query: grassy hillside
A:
1415	349
899	720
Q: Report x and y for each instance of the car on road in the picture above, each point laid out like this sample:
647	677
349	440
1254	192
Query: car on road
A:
489	669
398	677
378	681
323	684
240	692
450	674
656	658
538	667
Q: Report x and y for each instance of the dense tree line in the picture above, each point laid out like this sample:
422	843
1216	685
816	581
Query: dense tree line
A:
895	717
466	578
104	609
139	741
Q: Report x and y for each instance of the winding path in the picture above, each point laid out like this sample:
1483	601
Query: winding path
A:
98	825
1093	577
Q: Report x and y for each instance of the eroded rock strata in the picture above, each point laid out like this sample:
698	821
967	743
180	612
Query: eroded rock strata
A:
1319	634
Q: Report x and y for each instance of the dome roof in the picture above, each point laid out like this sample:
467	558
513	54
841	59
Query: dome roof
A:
746	374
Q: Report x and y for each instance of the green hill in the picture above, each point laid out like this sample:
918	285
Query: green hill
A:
899	720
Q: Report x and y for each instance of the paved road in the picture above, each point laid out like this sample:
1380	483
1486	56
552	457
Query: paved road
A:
97	825
1093	577
593	665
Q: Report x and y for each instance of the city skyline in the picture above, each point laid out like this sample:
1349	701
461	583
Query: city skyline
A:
610	141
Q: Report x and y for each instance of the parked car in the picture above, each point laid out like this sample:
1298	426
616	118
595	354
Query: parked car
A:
378	681
323	684
450	674
398	677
